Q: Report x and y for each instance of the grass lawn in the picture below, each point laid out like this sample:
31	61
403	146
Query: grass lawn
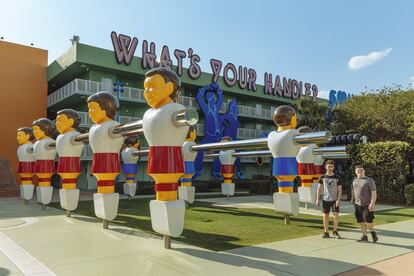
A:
222	228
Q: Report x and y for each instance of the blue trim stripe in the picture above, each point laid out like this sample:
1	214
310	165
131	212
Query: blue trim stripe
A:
285	166
186	179
189	167
130	168
285	184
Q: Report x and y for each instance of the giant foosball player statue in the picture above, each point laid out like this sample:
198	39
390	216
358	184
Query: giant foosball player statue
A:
26	159
165	159
130	166
306	170
102	109
186	191
43	130
69	152
227	169
282	145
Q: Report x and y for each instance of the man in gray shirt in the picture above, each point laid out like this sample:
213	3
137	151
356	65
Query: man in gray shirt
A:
364	195
330	188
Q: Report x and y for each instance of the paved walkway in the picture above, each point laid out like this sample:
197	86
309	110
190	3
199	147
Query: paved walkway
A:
266	201
35	242
401	265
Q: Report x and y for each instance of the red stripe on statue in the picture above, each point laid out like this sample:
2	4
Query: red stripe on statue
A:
307	180
69	180
165	159
306	168
227	168
45	166
102	183
26	167
44	179
166	187
25	178
69	165
318	169
105	163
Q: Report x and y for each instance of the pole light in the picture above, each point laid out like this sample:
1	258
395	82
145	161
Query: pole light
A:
118	88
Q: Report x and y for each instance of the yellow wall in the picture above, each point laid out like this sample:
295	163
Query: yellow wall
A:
23	93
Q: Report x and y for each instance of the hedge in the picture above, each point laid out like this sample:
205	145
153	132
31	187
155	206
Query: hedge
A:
385	162
409	193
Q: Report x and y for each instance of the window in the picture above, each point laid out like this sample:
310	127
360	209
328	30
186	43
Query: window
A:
107	84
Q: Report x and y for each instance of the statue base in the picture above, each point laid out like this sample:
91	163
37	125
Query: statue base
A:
286	203
106	205
69	199
130	189
26	191
227	189
44	194
307	194
186	193
167	217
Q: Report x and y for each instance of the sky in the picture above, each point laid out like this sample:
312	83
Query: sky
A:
352	46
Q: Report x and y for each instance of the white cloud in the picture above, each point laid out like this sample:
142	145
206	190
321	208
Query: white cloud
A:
411	81
358	62
324	94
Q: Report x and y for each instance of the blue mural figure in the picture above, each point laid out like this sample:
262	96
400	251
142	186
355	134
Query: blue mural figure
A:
231	124
341	97
210	100
332	99
337	98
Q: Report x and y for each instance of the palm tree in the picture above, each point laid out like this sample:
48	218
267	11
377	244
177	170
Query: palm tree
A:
313	114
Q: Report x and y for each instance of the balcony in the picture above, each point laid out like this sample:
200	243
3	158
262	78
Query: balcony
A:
87	87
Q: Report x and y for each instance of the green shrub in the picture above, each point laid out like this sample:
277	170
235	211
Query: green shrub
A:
409	193
385	162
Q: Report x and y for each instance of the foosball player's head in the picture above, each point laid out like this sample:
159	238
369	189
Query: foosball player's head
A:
226	139
67	120
161	86
305	129
25	135
285	117
102	107
43	128
132	142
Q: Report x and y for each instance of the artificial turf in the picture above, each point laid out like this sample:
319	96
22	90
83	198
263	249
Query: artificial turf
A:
223	228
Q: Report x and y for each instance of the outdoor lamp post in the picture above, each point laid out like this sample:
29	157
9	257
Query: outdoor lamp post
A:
118	87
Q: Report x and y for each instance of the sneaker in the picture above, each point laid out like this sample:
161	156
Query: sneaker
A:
374	236
336	235
363	239
325	235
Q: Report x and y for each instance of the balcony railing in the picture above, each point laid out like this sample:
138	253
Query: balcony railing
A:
242	133
87	87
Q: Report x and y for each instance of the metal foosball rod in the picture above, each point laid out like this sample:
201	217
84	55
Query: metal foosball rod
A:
325	152
187	117
319	137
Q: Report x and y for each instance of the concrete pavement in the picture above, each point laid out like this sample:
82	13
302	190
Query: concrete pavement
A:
35	242
266	201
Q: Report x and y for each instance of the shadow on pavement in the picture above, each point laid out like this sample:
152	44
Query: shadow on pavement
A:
278	262
4	272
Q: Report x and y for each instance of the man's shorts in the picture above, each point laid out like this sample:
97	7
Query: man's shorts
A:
329	205
362	214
